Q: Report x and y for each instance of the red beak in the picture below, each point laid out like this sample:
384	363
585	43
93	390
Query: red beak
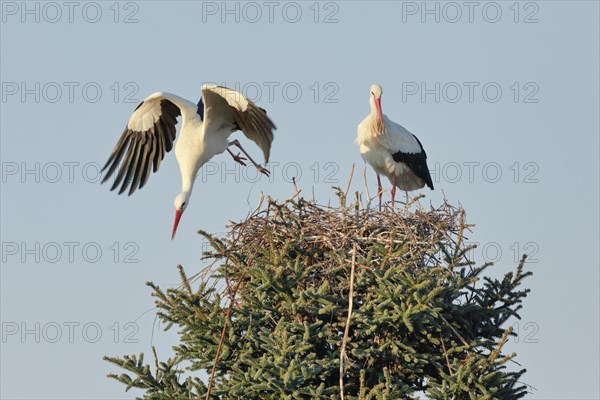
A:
177	218
378	104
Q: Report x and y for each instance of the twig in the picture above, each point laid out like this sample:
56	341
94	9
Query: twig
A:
461	230
297	191
366	186
349	181
222	338
365	267
446	355
455	332
347	329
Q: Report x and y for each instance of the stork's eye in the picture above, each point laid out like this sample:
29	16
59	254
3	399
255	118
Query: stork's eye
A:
373	93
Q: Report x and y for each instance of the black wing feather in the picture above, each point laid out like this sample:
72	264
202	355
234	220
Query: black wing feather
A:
138	152
417	162
130	165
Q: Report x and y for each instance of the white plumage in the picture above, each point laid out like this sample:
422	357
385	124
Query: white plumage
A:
391	149
205	129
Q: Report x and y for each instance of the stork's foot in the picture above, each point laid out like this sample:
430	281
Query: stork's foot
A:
263	170
393	191
259	167
238	159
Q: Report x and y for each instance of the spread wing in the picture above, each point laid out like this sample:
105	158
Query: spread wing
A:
227	109
148	136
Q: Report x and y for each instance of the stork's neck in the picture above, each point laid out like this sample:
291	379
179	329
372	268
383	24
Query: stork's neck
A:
375	123
374	113
187	184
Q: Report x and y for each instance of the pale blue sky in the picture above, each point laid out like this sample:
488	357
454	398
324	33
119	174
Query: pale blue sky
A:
540	133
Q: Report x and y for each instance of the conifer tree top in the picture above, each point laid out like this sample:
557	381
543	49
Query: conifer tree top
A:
306	301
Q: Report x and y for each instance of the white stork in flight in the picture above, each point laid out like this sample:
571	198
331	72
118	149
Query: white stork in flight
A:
392	150
205	129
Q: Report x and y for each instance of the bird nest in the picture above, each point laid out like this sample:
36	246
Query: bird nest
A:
330	236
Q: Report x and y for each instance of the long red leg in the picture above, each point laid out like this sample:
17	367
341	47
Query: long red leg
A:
260	168
379	191
393	190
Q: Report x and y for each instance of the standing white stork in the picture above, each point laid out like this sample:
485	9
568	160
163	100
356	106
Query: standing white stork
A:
205	129
392	150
